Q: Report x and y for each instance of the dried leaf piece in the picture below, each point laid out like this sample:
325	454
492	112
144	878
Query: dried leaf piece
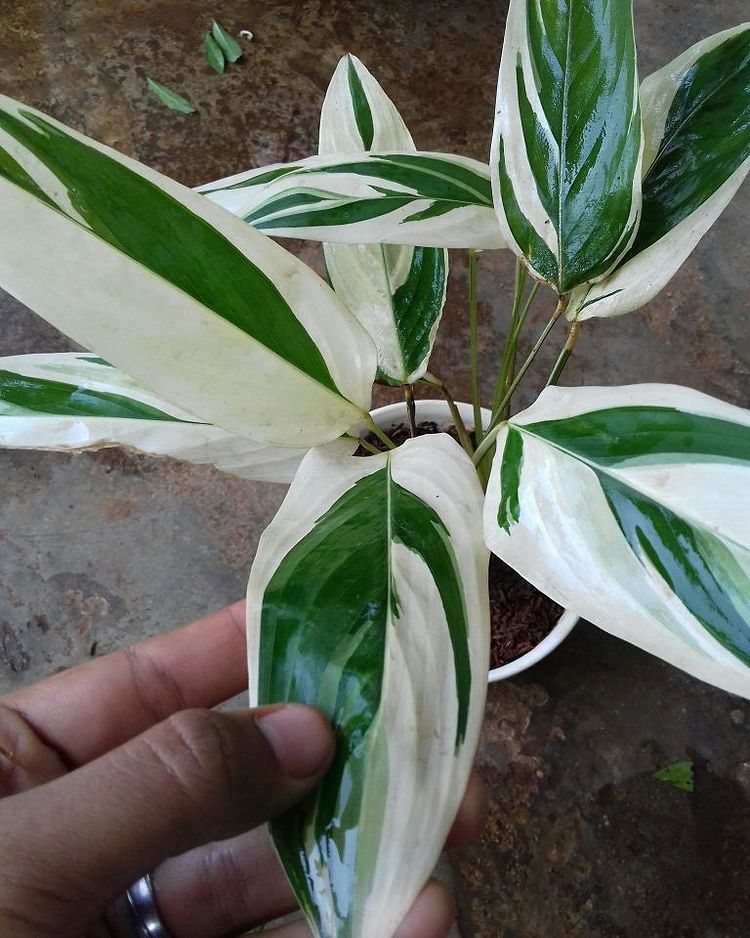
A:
214	55
169	98
679	774
228	45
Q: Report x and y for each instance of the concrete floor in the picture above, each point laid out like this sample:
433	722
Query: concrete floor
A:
99	550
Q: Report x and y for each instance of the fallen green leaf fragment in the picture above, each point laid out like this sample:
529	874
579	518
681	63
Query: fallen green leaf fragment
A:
214	55
228	45
169	98
679	774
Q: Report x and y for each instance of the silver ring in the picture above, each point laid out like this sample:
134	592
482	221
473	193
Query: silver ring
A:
145	912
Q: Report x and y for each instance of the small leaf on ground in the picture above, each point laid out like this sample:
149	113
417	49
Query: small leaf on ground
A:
679	774
228	45
169	98
214	55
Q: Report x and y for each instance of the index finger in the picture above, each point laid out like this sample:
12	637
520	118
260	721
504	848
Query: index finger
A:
89	709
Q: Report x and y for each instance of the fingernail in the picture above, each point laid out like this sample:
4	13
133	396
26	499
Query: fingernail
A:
301	739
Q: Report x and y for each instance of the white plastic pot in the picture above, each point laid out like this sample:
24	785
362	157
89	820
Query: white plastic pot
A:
437	412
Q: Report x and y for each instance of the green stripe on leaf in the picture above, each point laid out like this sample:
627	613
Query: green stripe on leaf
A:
44	396
620	434
416	303
692	561
345	212
360	106
509	508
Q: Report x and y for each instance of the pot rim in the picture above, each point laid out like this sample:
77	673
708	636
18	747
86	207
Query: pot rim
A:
438	410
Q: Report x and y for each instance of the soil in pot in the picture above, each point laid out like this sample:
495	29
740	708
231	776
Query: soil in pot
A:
520	616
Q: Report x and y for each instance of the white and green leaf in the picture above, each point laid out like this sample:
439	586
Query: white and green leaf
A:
358	116
74	401
566	147
421	199
696	121
397	292
630	506
368	599
196	306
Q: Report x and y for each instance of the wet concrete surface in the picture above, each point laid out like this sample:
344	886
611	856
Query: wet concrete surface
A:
99	550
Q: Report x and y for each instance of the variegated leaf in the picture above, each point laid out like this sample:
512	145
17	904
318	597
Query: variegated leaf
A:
368	599
422	199
74	401
358	116
397	292
196	306
630	506
566	147
696	121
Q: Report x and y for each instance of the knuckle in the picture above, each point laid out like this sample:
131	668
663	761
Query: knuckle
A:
195	751
155	688
25	759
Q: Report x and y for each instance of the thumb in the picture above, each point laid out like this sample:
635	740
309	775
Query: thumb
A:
198	776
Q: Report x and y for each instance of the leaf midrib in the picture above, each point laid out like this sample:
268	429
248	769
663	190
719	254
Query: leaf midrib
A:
563	147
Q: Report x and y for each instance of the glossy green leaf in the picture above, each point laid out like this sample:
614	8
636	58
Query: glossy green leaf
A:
696	118
169	98
72	402
214	55
566	147
196	306
228	45
368	600
420	199
397	292
629	506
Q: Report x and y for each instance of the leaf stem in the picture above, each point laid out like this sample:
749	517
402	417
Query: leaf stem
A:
376	431
519	312
486	445
473	346
463	433
565	352
368	446
562	302
411	409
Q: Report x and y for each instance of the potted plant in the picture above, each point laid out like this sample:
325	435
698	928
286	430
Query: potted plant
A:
368	596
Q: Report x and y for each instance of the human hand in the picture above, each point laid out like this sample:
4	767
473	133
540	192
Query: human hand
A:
116	768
